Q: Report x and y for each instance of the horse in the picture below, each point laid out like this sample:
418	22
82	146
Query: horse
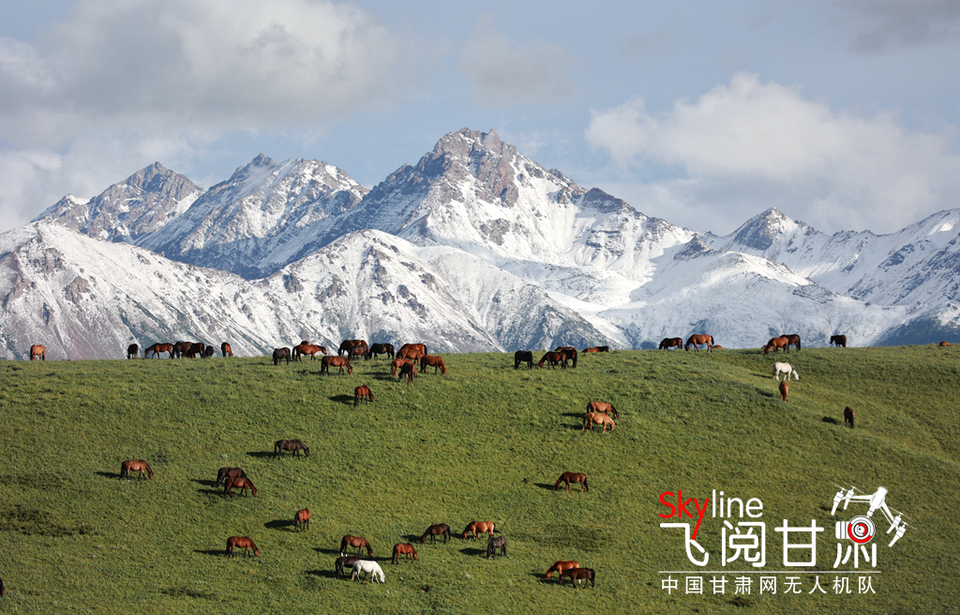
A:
434	362
395	365
570	352
561	565
180	349
943	344
362	393
848	416
337	361
133	351
494	543
786	369
784	388
196	348
345	562
242	541
597	418
301	520
697	340
403	548
346	345
717	347
226	350
240	482
39	352
839	340
281	354
289	445
371	568
156	349
310	349
479	526
355	541
224	473
573	477
522	356
604	407
794	340
552	359
671	342
135	465
577	575
208	352
777	343
439	529
379	349
408	370
412	352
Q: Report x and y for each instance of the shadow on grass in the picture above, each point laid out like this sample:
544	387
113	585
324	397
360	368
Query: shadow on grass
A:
211	552
830	420
547	486
216	492
205	483
113	475
279	524
327	551
342	399
472	552
325	574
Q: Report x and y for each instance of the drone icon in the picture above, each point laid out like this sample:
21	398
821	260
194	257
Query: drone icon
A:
860	529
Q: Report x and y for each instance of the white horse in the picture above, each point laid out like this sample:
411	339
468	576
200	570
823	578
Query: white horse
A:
371	568
786	369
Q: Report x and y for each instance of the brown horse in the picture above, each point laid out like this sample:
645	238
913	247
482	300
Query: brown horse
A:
605	408
494	543
38	352
310	349
240	482
578	575
156	349
597	418
698	340
346	345
776	343
552	359
290	445
794	340
358	350
337	361
196	349
412	352
408	370
943	344
570	352
784	388
671	342
345	563
301	520
434	362
362	393
561	565
839	340
226	350
848	416
133	351
479	526
135	465
395	365
522	356
573	477
403	548
242	541
379	349
224	473
355	541
439	529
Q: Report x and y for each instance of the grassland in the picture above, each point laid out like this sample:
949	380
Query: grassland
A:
484	442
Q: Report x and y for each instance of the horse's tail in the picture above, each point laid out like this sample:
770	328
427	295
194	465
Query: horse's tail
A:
586	487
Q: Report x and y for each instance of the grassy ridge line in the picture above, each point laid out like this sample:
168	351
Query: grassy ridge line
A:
453	449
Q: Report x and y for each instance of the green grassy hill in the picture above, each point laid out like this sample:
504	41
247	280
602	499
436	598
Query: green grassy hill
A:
484	442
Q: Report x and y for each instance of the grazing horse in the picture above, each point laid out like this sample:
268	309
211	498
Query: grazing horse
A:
604	407
439	529
362	393
395	365
208	352
242	541
347	345
358	351
552	359
133	351
786	369
156	349
408	370
421	348
412	352
578	575
310	349
573	477
196	348
784	388
597	418
345	562
671	342
943	344
301	520
839	340
135	465
699	339
372	569
240	482
337	361
379	349
794	340
355	541
848	416
403	548
561	565
776	343
281	354
224	473
479	526
38	352
494	543
180	349
290	445
434	362
226	350
570	352
522	356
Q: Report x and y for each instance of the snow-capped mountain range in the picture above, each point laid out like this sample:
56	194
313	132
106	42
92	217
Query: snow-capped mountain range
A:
475	248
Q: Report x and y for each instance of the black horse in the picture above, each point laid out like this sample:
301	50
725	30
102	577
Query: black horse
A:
522	356
496	542
440	529
281	354
378	349
133	351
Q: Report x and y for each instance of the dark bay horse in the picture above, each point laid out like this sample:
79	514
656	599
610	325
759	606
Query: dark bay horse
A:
522	356
281	354
403	548
604	407
226	350
839	340
180	349
245	542
224	473
698	340
38	352
345	563
337	361
479	526
408	370
290	445
379	349
777	343
239	482
560	566
494	543
355	541
794	340
848	416
156	349
570	352
347	346
671	342
133	351
301	520
362	393
573	477
552	359
579	575
434	362
135	465
439	529
196	349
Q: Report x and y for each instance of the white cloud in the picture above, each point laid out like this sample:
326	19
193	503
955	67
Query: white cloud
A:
748	145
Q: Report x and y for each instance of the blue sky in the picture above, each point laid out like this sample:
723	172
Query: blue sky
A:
842	113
